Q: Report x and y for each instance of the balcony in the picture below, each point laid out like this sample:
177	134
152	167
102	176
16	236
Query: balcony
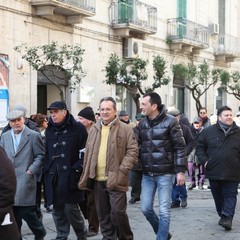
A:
227	48
73	10
187	36
132	18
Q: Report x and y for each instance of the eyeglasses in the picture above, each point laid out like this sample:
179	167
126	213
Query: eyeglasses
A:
202	113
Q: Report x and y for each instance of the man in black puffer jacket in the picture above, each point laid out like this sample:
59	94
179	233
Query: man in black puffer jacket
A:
162	154
65	140
218	148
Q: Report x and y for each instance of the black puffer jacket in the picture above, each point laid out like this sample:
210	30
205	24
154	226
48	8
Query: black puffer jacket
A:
162	146
63	164
222	152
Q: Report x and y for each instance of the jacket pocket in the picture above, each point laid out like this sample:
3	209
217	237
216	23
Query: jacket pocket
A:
73	180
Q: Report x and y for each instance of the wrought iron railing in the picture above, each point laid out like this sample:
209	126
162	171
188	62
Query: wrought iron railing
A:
228	44
181	28
133	12
88	5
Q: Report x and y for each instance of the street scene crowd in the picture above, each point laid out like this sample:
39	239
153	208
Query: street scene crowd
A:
81	167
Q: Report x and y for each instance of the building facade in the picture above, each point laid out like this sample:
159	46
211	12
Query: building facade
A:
181	31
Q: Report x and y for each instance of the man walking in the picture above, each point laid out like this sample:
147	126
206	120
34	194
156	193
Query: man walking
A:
162	154
111	151
218	148
65	140
24	147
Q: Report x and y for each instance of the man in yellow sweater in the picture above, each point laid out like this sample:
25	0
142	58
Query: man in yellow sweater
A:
111	152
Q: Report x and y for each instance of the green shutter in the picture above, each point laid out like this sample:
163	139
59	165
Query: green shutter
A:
125	11
181	13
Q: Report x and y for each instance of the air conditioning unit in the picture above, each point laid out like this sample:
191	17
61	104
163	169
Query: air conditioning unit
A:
214	29
132	48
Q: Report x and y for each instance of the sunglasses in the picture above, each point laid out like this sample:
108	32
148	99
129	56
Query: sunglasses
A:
202	113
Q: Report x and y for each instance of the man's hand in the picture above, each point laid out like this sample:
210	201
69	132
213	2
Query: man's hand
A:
180	179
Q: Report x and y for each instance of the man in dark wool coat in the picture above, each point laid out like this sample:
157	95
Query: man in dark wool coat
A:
65	143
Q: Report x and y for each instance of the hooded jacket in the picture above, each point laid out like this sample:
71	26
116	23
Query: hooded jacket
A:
222	152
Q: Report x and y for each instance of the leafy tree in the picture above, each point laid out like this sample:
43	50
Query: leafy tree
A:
197	79
132	74
51	59
230	82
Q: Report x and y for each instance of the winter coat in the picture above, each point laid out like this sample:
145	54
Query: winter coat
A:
63	161
122	154
162	146
221	151
192	156
188	137
7	193
29	155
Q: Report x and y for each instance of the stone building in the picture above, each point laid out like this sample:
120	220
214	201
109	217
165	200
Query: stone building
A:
181	31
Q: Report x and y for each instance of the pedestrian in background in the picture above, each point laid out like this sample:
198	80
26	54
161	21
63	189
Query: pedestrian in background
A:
162	155
218	148
24	147
179	192
136	172
124	117
87	118
203	115
111	152
8	225
193	164
65	139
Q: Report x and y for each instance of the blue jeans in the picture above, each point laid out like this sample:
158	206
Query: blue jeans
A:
150	184
178	193
225	196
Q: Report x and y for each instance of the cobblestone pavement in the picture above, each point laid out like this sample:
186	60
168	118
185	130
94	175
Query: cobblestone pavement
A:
197	221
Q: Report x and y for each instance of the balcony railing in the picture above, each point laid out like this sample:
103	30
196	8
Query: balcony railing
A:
88	5
133	13
227	45
74	10
181	29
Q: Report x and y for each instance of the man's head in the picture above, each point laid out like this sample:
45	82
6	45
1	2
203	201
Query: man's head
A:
86	116
16	120
175	113
203	112
150	105
225	115
123	115
107	109
197	122
58	111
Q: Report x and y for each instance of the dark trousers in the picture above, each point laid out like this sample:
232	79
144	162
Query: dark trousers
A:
111	209
178	192
93	223
225	196
30	216
66	215
135	183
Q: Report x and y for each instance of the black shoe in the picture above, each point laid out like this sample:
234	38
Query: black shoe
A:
91	234
184	203
175	205
133	200
191	186
226	222
169	236
49	209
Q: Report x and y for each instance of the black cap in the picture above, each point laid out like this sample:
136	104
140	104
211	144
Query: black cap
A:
87	113
57	105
